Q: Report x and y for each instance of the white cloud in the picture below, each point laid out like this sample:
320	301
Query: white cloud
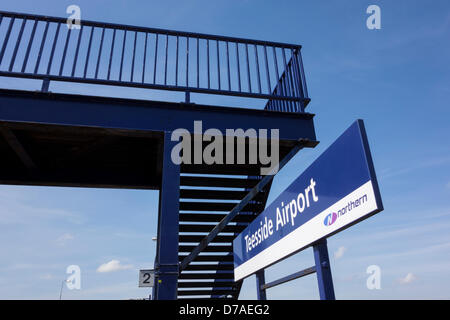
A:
426	164
64	238
339	252
46	276
113	265
410	277
16	210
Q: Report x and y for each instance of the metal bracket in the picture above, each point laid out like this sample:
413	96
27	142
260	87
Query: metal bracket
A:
45	85
288	278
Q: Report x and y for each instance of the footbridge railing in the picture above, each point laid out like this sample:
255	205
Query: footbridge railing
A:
47	48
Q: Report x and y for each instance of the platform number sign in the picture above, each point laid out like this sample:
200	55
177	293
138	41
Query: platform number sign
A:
146	278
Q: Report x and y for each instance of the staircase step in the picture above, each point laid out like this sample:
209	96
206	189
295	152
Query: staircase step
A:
209	227
196	239
205	292
209	217
210	258
236	169
212	275
216	194
207	249
209	267
206	284
187	298
217	206
218	182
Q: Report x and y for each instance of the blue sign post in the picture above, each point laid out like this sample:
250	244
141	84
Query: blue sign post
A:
338	190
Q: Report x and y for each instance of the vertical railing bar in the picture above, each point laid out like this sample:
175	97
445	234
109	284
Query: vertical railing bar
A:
165	65
277	73
302	71
100	52
288	93
295	75
291	80
8	33
276	63
285	92
285	67
156	59
248	69
123	54
111	54
187	61
292	77
218	63
198	63
228	68
44	37
298	81
286	82
269	89
207	59
134	57
288	86
145	57
302	84
53	48
27	54
282	90
273	102
77	50
88	52
278	93
257	67
238	66
61	68
176	62
16	48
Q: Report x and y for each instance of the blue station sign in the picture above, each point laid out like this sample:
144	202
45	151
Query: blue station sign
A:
338	190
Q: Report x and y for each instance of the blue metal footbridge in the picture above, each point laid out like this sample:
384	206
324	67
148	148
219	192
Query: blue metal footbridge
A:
63	139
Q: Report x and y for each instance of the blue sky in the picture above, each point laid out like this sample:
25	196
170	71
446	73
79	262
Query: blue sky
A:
397	79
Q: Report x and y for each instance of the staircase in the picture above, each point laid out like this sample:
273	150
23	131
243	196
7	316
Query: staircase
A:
204	200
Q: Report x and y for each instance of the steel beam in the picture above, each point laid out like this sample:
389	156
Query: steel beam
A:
129	114
166	264
290	277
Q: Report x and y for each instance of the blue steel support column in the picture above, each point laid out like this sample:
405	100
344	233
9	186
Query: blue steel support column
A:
166	264
260	281
323	269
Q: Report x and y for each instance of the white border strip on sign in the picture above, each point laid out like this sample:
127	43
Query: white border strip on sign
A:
310	231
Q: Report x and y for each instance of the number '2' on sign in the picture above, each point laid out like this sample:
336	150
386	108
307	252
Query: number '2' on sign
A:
146	278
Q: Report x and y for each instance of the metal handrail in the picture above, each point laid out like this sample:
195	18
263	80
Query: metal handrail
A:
42	47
